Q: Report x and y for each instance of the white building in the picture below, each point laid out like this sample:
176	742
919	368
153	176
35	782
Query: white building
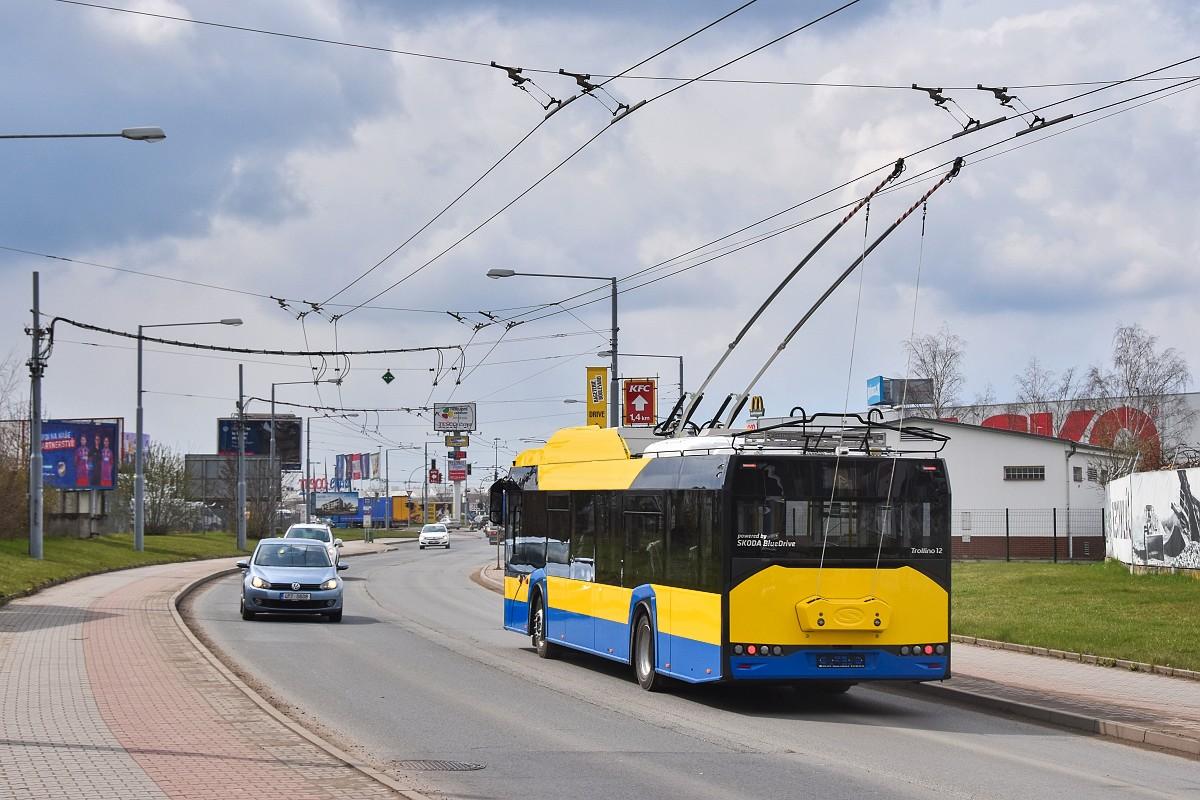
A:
994	468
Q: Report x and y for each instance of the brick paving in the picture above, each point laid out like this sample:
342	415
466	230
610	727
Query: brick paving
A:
104	696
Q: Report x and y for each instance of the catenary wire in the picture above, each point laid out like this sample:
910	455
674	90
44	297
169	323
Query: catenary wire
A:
510	151
581	147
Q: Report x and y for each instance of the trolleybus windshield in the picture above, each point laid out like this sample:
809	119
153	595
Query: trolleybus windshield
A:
793	508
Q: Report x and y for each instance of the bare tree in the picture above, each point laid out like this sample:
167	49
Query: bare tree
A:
1041	389
14	446
1150	381
938	358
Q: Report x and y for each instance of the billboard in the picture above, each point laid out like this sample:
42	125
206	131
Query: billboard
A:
81	454
883	391
1155	519
597	396
329	503
454	417
258	438
456	470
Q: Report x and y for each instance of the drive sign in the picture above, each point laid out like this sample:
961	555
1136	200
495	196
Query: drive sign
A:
640	396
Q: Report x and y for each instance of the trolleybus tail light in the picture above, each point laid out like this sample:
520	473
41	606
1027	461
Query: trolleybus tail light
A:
751	649
904	650
941	649
928	649
738	649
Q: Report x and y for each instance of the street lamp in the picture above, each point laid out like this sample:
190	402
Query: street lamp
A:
605	354
614	416
146	134
139	478
37	361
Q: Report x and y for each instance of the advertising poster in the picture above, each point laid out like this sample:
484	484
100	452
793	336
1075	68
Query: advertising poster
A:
454	417
326	504
81	455
258	439
597	396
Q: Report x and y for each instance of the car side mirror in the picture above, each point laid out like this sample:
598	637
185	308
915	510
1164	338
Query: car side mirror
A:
343	566
337	542
243	565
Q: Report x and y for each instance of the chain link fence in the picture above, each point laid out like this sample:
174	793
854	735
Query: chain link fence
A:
1028	534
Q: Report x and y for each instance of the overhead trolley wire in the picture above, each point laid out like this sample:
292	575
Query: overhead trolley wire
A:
667	262
596	136
509	152
545	70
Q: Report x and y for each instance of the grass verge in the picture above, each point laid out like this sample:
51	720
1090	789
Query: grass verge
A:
1100	609
65	559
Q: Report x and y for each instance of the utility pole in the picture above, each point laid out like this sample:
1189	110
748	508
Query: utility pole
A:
275	477
241	464
425	488
496	461
613	403
308	498
36	368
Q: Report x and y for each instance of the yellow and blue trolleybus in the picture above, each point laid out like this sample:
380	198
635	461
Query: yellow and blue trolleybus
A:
801	551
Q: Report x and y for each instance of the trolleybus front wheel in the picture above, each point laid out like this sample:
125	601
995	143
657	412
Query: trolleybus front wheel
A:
537	629
643	656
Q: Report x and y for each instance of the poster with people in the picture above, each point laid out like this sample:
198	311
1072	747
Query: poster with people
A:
81	455
1154	519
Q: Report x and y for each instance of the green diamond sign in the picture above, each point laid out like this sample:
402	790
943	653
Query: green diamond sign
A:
388	377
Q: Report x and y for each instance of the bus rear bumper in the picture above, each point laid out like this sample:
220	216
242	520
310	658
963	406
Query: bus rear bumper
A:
824	664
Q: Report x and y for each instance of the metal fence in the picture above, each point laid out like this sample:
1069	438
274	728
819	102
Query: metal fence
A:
1027	534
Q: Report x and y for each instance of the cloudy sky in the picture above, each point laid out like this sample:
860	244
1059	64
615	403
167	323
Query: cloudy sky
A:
291	167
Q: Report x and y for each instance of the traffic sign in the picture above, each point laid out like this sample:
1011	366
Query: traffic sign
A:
435	476
388	377
640	401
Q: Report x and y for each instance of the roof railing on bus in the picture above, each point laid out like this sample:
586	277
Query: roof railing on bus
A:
826	432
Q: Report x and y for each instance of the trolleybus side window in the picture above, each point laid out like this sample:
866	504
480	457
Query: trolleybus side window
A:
583	536
610	544
529	548
558	532
645	544
693	557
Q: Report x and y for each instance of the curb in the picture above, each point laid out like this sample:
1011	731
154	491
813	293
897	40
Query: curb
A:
480	577
1083	658
1066	719
262	703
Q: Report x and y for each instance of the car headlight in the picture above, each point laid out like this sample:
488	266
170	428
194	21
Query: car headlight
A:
330	584
259	583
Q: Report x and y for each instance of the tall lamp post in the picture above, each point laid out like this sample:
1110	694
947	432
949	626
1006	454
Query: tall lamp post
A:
37	362
139	478
613	407
605	354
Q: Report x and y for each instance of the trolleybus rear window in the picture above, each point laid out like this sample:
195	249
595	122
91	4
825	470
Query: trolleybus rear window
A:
846	508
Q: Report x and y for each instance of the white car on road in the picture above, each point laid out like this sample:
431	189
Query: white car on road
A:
434	535
315	531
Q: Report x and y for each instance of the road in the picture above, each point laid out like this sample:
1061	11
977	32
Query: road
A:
420	669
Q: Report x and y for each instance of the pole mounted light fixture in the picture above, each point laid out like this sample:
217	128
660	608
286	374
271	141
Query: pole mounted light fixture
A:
500	273
143	134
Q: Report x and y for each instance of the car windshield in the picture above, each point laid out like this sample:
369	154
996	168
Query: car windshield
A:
434	529
320	534
291	555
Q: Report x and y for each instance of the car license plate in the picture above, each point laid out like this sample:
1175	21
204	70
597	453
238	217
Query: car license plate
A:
841	661
295	596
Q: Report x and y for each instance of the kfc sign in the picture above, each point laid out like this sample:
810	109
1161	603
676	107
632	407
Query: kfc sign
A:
640	396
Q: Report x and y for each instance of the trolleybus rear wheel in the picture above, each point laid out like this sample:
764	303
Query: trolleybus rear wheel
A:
643	656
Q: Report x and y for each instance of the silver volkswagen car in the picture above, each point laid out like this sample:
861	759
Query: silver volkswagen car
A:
291	576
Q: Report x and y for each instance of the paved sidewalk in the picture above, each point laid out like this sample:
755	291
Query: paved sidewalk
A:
103	695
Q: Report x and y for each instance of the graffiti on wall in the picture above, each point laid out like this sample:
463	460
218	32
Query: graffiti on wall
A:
1155	519
1084	425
